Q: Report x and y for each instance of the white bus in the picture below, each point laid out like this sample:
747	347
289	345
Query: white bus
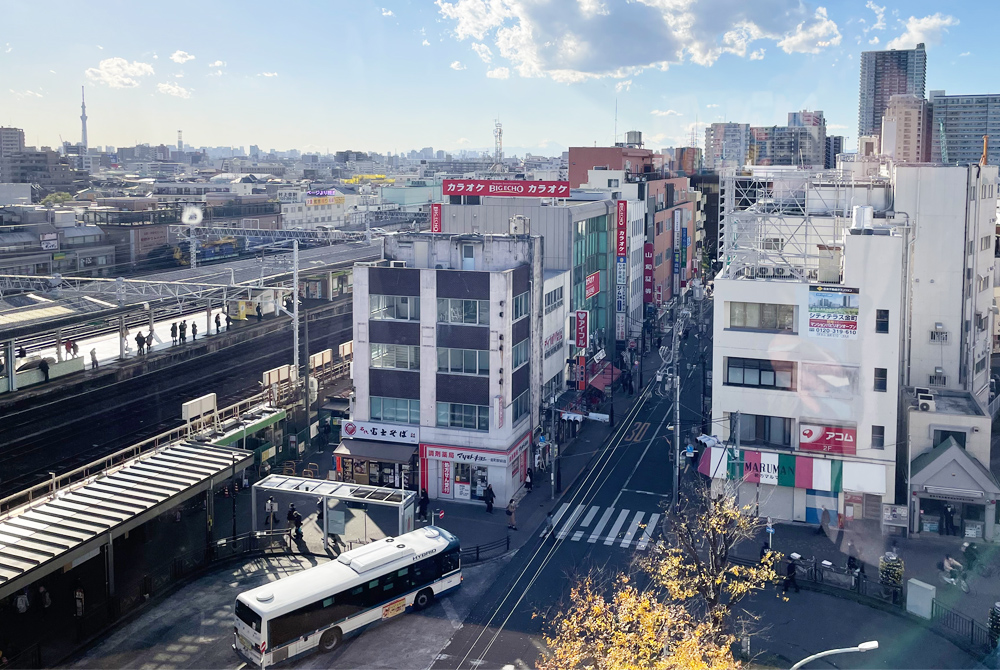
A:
318	607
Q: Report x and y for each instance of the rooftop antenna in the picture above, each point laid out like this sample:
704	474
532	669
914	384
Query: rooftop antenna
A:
83	116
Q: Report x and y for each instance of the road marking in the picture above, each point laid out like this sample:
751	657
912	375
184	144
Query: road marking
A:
647	534
577	535
613	533
648	445
557	517
570	522
633	527
647	493
601	524
453	617
590	516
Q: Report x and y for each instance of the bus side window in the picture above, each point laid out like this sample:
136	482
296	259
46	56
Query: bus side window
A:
404	580
449	562
425	572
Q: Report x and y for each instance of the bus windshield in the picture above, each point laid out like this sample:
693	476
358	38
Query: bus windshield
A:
247	616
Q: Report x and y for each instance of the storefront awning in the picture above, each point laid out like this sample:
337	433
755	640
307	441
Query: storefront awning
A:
606	377
948	471
383	452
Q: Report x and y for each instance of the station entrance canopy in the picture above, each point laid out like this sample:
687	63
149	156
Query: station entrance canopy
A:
73	523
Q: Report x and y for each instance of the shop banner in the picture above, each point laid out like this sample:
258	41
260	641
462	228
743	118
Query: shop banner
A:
384	432
621	271
499	411
621	229
592	286
506	188
791	470
473	456
446	477
831	439
833	312
647	273
621	298
582	328
677	250
435	218
620	325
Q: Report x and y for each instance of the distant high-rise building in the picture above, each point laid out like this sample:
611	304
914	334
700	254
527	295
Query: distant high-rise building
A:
802	145
806	118
957	125
83	118
883	75
726	145
11	142
834	146
904	129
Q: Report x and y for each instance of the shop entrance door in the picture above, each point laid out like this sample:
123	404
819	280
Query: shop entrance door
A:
480	479
463	481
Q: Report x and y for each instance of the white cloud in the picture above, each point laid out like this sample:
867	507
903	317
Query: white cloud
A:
927	29
267	74
813	38
21	95
52	71
179	75
482	51
218	73
625	85
879	16
119	73
758	54
668	112
498	73
836	126
387	12
8	48
579	40
181	57
217	63
100	47
425	43
712	106
873	40
175	90
964	54
457	65
462	140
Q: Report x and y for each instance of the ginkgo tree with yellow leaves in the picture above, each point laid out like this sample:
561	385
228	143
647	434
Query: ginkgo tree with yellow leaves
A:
681	617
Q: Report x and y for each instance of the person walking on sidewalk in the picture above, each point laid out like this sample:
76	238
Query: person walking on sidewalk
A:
790	577
422	505
489	497
512	520
218	324
173	334
549	524
194	331
527	480
93	358
824	521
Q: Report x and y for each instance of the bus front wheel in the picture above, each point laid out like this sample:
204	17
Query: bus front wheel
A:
331	640
423	599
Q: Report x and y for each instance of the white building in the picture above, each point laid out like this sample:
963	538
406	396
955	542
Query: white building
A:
827	316
905	129
447	360
301	208
726	145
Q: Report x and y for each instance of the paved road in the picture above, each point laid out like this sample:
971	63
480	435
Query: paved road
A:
68	432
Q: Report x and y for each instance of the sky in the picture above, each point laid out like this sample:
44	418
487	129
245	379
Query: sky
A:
395	76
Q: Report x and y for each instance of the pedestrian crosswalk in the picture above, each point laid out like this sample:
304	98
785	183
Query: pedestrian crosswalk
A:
592	523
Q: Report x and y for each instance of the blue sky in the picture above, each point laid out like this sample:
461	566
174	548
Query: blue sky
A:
401	75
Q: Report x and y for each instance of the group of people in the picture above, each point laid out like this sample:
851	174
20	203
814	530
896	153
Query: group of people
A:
143	343
72	348
178	332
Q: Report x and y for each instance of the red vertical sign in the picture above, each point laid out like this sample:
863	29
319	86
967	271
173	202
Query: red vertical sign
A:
592	286
446	477
621	230
435	218
581	373
647	273
582	332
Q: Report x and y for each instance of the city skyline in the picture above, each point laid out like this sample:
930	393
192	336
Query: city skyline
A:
401	77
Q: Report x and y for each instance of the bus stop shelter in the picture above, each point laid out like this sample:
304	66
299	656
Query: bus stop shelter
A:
351	514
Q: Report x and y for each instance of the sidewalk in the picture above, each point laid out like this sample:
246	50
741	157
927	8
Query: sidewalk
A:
920	557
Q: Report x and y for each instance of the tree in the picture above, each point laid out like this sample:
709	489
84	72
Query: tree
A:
57	198
681	618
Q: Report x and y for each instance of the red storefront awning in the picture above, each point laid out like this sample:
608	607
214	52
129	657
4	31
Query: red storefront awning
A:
606	377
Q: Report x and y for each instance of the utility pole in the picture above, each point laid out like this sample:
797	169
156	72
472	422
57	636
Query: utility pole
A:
679	318
295	304
305	386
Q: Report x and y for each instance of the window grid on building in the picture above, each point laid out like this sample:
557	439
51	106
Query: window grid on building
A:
464	361
520	353
758	373
394	307
761	316
468	312
395	410
521	406
469	417
521	304
395	356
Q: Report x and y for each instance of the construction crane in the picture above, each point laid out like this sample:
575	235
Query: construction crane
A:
986	144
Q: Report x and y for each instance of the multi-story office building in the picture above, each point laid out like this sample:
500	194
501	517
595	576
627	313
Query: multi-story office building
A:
844	334
448	361
727	145
905	137
630	157
806	118
46	168
40	241
11	142
801	145
883	75
957	126
834	146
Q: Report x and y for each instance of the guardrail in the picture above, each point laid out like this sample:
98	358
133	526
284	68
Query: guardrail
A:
483	551
994	407
965	628
810	571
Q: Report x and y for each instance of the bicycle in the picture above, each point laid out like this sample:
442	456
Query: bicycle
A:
958	580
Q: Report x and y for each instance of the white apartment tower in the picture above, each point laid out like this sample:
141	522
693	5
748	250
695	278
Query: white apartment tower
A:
905	126
726	145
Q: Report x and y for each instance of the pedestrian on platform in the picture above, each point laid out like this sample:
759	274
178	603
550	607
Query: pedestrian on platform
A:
93	358
140	342
149	341
229	322
173	334
790	573
182	332
218	324
511	518
489	497
194	331
69	348
260	313
76	349
22	353
78	609
43	365
45	600
527	480
422	505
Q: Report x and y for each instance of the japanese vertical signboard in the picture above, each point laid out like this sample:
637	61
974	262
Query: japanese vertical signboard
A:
677	250
621	269
446	477
582	332
621	298
592	286
435	218
621	229
647	273
833	312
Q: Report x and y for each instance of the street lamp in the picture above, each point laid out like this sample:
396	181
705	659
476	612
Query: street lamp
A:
864	646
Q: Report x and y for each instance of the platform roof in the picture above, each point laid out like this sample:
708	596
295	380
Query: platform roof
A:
52	532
